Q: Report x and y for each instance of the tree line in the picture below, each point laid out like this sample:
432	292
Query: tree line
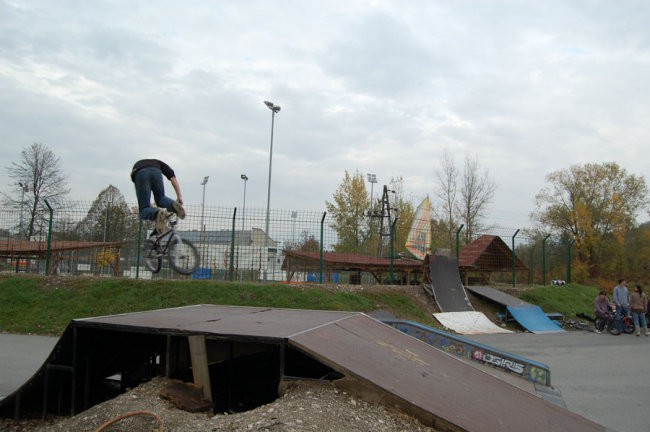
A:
593	207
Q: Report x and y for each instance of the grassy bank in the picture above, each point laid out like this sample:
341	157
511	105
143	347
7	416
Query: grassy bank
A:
34	304
568	299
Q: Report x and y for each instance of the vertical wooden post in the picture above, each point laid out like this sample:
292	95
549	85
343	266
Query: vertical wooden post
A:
200	369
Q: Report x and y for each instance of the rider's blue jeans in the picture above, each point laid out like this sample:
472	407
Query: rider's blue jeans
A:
620	313
639	319
148	181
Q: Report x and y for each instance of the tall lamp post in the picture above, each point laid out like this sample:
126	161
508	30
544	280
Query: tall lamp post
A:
274	110
24	188
243	221
203	183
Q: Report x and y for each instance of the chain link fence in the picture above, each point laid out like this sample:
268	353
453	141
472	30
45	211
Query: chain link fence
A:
81	238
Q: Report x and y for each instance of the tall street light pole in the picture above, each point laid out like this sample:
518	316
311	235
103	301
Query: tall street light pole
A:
243	221
203	183
274	110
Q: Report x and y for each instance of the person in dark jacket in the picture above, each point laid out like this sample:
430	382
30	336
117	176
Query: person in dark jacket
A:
147	175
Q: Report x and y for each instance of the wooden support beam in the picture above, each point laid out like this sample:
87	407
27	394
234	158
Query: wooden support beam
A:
200	370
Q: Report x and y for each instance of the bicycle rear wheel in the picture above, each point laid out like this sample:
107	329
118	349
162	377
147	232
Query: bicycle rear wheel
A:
613	328
152	257
183	256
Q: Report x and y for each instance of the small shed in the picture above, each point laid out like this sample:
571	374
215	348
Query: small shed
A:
486	255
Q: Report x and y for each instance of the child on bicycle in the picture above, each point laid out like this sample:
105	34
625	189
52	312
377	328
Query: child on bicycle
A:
147	174
602	308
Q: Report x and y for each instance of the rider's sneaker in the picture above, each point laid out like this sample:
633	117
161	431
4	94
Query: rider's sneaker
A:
161	221
178	209
597	331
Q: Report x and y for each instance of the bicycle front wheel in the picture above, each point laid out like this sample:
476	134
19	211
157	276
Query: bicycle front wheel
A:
183	256
152	257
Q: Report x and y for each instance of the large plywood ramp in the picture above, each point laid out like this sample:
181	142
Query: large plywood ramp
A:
446	286
377	361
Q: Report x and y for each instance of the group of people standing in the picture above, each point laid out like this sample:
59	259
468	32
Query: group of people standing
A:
624	303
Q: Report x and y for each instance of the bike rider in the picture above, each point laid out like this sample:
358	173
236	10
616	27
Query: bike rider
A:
621	299
147	174
602	308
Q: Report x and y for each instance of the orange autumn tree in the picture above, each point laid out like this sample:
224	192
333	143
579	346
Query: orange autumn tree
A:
597	205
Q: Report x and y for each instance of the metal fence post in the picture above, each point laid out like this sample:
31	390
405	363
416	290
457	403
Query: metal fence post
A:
544	259
49	239
322	224
458	241
232	248
514	260
568	261
137	263
392	248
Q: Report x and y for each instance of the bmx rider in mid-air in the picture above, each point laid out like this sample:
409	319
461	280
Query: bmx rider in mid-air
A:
147	174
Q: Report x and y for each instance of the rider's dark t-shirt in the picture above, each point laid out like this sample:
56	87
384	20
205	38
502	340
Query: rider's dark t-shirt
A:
152	163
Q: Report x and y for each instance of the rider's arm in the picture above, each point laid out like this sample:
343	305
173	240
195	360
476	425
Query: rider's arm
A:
177	189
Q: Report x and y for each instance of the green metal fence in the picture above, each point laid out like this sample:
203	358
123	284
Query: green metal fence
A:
232	244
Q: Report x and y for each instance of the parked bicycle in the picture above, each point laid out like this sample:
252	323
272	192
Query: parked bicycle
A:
614	325
182	254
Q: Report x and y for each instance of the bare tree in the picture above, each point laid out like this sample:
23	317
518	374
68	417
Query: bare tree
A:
446	192
476	193
37	176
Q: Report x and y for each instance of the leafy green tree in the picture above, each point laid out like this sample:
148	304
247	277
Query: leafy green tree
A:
109	218
595	204
348	211
37	177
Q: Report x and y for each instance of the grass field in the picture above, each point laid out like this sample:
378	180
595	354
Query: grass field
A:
34	304
45	305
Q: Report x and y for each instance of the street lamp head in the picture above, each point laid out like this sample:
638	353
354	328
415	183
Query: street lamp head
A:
372	178
244	177
205	180
272	106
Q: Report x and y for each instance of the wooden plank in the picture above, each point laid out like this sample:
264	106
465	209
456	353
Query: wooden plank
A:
200	369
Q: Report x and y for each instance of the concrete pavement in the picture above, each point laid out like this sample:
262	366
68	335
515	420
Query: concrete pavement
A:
20	357
602	377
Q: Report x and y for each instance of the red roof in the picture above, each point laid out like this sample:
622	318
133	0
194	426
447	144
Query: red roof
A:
352	258
488	252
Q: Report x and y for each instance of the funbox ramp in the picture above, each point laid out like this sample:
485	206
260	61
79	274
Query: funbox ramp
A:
529	316
533	319
378	362
448	290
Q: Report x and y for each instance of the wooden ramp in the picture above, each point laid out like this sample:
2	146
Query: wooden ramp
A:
446	285
377	361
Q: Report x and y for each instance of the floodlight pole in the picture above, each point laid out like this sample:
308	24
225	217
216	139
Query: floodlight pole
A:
274	110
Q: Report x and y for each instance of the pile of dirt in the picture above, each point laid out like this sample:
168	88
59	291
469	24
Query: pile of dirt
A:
304	407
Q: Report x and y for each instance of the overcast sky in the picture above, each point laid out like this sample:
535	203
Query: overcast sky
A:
383	87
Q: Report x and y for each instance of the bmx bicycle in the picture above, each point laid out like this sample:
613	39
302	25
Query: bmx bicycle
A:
613	325
182	255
